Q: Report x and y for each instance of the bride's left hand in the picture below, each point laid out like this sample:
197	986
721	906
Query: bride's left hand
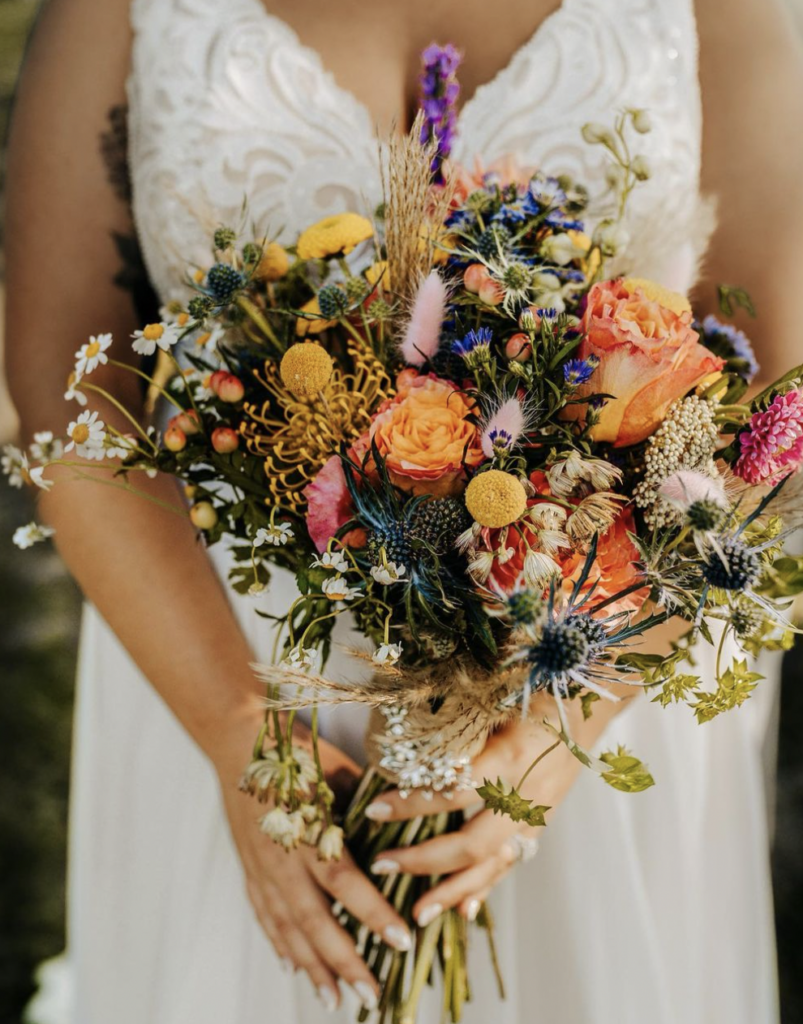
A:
474	859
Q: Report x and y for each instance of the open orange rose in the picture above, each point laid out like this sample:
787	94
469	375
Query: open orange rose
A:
425	437
614	569
649	356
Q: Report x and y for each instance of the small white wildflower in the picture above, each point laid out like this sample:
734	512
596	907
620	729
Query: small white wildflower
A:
120	446
36	478
332	560
642	121
277	535
561	249
336	588
611	237
86	436
330	845
91	355
73	394
595	133
153	336
45	447
387	654
208	340
256	589
301	657
14	465
387	573
26	536
283	828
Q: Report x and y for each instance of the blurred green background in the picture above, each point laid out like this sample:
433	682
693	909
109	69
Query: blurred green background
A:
39	619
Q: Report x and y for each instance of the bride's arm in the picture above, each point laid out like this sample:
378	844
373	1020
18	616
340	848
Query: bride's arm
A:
143	567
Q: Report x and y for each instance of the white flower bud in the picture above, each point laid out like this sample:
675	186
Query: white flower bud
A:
642	121
560	249
595	133
614	175
611	237
330	845
640	166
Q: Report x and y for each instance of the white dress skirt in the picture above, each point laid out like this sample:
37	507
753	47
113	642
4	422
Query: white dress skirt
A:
648	908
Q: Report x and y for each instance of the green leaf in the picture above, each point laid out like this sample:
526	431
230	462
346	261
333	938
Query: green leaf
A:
731	297
628	774
733	688
588	698
506	800
677	689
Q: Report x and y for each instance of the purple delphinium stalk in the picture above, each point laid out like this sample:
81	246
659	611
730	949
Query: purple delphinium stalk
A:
439	92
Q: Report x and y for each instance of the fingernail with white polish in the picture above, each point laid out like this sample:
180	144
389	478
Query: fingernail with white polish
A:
366	994
385	866
328	998
472	909
398	938
287	965
428	915
378	811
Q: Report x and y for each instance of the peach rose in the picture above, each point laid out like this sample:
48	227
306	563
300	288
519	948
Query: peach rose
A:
648	357
426	439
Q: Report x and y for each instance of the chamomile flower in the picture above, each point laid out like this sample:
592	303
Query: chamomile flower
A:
276	535
73	394
387	654
387	573
91	355
153	336
336	588
45	447
14	465
331	560
121	446
36	478
86	436
26	536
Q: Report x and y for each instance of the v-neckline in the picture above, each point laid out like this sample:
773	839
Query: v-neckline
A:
315	57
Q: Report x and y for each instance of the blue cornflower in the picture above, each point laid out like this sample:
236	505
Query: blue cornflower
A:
730	344
510	213
548	313
474	347
559	219
578	371
547	192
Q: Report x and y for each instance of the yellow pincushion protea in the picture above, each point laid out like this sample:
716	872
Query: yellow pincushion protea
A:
495	499
678	303
273	264
305	369
333	236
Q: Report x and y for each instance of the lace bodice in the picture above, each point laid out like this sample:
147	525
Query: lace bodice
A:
226	103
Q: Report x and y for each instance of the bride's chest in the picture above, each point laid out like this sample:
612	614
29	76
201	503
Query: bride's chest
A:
227	105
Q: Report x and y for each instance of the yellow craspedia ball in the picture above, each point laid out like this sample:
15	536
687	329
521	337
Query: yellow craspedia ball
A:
273	264
678	303
333	236
306	369
495	499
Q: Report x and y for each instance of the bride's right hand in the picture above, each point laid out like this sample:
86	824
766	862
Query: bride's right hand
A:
291	893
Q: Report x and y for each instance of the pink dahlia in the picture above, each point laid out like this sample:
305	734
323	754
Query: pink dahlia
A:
772	446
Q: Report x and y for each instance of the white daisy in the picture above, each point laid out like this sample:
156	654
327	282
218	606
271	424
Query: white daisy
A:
26	536
387	573
387	654
92	354
120	447
336	588
332	560
46	447
153	336
37	478
208	340
86	436
72	394
277	535
14	465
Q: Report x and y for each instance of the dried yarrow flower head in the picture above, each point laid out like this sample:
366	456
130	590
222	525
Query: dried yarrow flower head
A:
686	439
772	444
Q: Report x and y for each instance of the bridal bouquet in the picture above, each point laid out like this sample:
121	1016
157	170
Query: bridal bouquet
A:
465	426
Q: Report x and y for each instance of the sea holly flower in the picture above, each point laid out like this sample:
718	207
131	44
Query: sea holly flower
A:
163	336
387	654
26	536
92	354
772	444
87	435
276	535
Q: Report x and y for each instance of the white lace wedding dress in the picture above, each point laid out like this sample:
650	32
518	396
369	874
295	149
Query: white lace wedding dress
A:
652	908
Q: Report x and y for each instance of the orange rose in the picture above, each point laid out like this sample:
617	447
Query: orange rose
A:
614	569
648	357
426	439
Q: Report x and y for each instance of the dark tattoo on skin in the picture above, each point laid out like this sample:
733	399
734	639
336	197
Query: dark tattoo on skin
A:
133	275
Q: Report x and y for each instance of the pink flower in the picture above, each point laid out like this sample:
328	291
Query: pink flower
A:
329	504
423	333
772	445
688	486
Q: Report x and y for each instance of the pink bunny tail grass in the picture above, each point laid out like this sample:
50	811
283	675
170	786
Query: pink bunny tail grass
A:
686	487
423	333
504	427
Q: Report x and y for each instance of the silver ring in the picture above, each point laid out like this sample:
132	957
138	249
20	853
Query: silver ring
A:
524	848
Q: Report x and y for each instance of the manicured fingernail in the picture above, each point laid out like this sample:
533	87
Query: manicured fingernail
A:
328	997
397	937
366	994
287	965
385	866
472	909
379	810
428	914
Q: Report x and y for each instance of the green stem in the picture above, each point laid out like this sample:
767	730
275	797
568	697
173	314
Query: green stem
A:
120	408
148	378
538	759
425	954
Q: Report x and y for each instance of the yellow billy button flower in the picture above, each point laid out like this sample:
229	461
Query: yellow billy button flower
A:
655	292
495	499
333	236
273	264
306	369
